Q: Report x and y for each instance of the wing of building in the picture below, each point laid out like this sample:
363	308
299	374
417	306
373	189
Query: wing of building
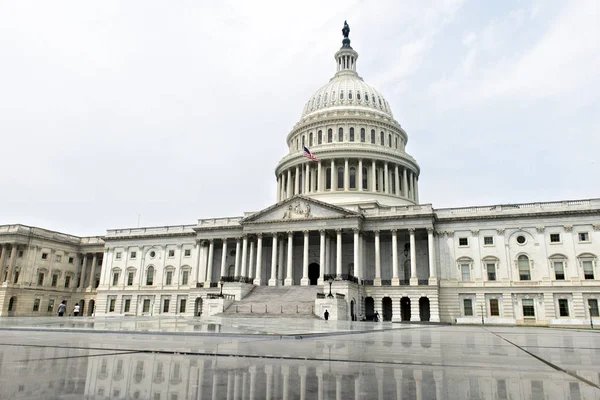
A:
347	222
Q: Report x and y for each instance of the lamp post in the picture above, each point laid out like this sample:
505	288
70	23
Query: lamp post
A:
591	318
482	321
221	292
330	281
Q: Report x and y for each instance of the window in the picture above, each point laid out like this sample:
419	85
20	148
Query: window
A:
166	305
50	305
396	142
362	135
465	270
389	140
40	280
352	134
341	95
528	309
593	307
364	178
588	269
36	305
111	305
115	280
320	137
468	306
171	253
340	135
381	138
310	139
350	95
58	258
328	178
358	96
54	280
303	142
71	260
491	271
152	254
488	240
559	270
67	281
146	305
352	178
182	306
494	308
524	272
130	276
118	255
463	242
563	307
187	253
521	239
329	135
133	255
44	256
584	237
150	276
127	305
185	277
12	304
555	238
372	136
20	254
340	178
169	279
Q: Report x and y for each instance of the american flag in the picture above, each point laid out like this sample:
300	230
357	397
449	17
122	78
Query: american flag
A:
310	155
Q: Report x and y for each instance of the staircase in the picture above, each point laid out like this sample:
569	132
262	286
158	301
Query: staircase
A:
275	302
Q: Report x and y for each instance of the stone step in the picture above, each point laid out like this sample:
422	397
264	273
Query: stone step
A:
282	294
270	308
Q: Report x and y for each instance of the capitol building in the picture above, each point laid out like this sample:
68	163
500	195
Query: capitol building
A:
347	234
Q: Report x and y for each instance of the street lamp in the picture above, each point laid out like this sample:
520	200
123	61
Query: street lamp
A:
481	308
591	318
330	281
221	292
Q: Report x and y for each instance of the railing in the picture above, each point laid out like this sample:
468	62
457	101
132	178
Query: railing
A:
220	296
321	295
386	282
214	284
423	282
368	282
340	277
340	296
404	282
242	279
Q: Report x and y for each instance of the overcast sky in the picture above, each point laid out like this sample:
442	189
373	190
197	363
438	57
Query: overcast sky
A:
178	110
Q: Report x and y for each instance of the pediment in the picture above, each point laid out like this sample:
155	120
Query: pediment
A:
299	208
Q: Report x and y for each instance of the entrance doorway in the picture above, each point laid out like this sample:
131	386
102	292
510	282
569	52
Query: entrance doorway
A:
91	308
313	273
369	308
352	311
81	306
198	307
386	305
405	308
424	309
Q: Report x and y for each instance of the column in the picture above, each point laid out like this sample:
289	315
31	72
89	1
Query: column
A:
278	188
338	255
307	179
396	180
304	281
411	188
360	175
327	254
11	263
289	278
431	249
281	262
215	385
302	373
236	386
416	188
321	257
202	256
333	176
269	384
319	177
81	283
338	387
224	259
273	278
297	181
356	253
238	246
93	272
313	179
404	183
251	262
230	385
258	269
373	176
289	184
386	172
414	280
3	248
285	371
395	279
346	175
244	256
209	264
377	280
418	375
320	387
252	370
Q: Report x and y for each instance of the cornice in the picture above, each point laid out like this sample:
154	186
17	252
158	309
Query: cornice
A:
543	214
151	236
345	119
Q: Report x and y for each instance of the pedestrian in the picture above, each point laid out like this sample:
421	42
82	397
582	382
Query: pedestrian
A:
326	315
62	308
76	310
376	317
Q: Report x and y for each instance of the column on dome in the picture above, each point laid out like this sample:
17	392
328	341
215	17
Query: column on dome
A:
306	188
289	279
359	183
321	257
238	245
404	183
333	176
346	175
414	280
381	180
416	189
319	177
386	172
338	256
209	264
395	279
273	278
411	188
431	248
224	258
304	281
377	280
373	176
258	269
279	183
397	181
289	183
297	181
313	179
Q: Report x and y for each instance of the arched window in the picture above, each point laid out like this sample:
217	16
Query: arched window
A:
341	95
381	139
396	142
490	266
376	179
372	136
297	144
150	276
393	181
358	96
464	265
328	179
310	139
341	135
325	99
350	95
303	142
524	268
367	97
12	304
329	135
340	178
364	178
587	261
389	140
559	263
352	178
320	138
362	135
352	134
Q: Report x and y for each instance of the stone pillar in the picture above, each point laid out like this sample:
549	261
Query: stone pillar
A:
236	386
238	246
379	376
244	256
373	176
414	279
346	175
289	279
278	188
411	187
431	249
321	257
360	175
333	176
281	263
273	278
209	263
252	370
319	177
320	388
416	189
215	385
81	283
285	371
3	248
338	255
418	375
297	181
377	280
304	281
395	279
289	184
396	180
307	179
356	253
386	173
404	183
11	262
302	373
93	272
313	180
230	385
258	269
338	387
224	259
269	384
327	255
251	262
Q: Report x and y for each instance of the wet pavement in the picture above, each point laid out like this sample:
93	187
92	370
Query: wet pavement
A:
179	358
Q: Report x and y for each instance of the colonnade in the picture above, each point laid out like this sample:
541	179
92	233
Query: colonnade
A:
7	273
348	175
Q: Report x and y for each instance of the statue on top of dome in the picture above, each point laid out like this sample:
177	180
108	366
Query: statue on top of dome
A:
346	30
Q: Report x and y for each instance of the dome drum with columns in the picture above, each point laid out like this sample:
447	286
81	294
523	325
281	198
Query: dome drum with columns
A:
349	127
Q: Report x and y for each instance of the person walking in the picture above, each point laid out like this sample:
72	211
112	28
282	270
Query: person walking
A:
62	308
326	315
76	310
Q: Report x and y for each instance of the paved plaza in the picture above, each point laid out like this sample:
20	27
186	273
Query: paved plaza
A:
214	358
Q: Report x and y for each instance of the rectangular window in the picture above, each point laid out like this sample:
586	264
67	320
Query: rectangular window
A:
127	305
130	275
118	255
463	241
50	305
468	306
44	256
491	271
563	307
555	238
20	254
58	258
528	309
67	281
584	237
133	255
111	306
166	305
184	277
169	277
40	281
187	252
71	260
115	281
171	253
559	270
593	307
54	280
146	306
182	305
488	240
494	308
465	271
36	305
588	269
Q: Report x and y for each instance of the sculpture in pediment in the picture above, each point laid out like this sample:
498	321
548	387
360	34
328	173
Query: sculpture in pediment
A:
297	210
